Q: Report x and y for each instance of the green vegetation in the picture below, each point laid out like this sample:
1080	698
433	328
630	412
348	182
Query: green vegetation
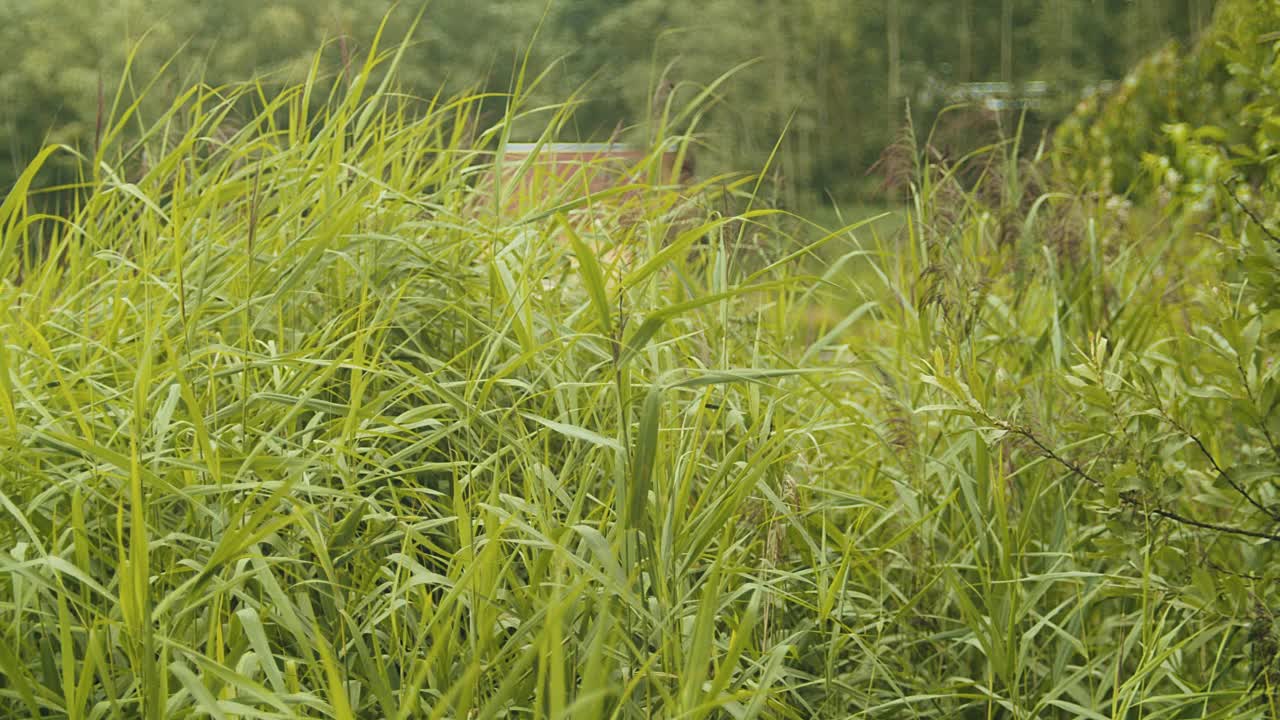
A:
302	416
1185	123
833	74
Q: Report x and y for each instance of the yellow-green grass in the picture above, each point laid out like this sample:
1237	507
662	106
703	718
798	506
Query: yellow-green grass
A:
310	423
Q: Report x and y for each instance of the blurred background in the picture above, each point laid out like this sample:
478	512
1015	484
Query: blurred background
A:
832	78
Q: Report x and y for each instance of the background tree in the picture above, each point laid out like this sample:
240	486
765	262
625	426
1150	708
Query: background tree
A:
836	75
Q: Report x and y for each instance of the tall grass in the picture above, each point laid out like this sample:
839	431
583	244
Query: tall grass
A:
313	421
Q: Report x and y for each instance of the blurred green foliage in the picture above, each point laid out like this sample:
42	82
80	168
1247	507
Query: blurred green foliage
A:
1197	135
831	76
1184	123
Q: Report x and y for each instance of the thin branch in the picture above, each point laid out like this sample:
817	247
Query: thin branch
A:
1226	529
1261	226
1132	499
1252	215
1262	423
1225	476
1244	575
1051	454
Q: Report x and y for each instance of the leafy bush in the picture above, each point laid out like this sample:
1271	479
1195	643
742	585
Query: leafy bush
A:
1181	126
1080	416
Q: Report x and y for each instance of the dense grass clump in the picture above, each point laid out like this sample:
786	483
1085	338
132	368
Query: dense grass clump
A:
308	418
